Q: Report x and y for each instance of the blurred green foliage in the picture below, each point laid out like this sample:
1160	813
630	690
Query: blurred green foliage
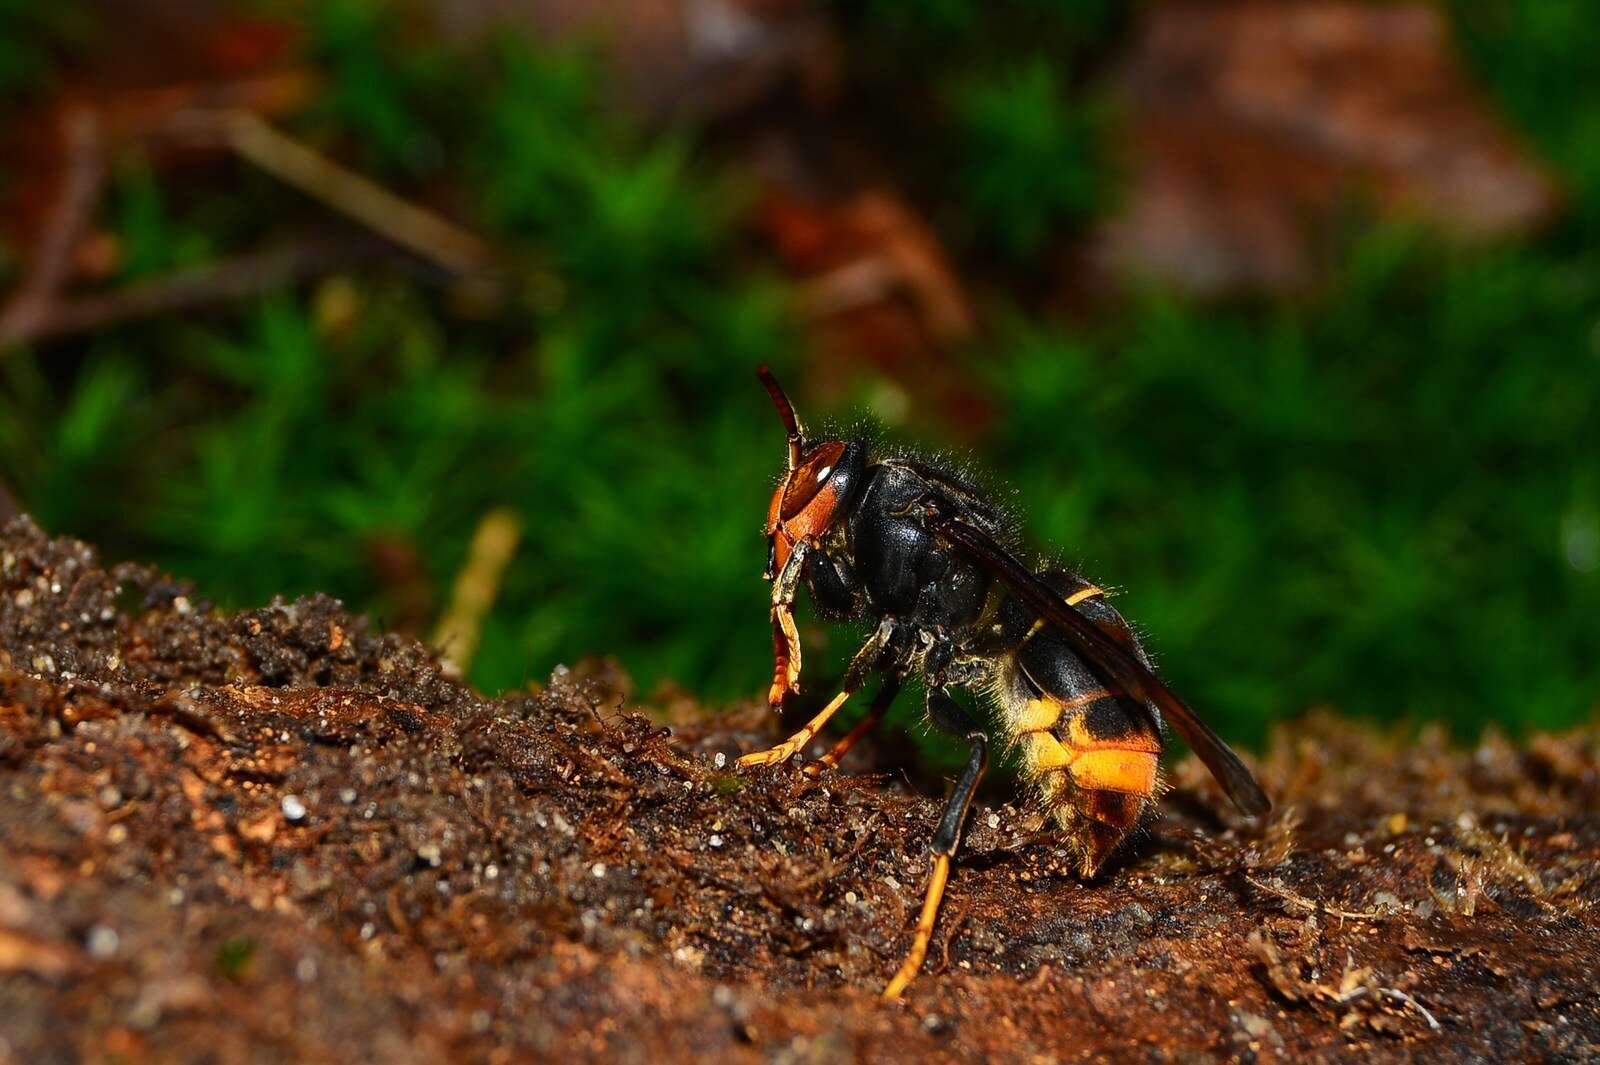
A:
989	106
31	36
1030	162
1538	58
1386	499
1385	503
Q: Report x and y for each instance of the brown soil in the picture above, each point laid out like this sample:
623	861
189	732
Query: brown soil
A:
280	836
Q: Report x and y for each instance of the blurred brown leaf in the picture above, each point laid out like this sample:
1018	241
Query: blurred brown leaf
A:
678	58
1251	126
877	287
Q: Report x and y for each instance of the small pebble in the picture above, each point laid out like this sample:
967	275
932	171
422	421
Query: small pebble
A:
103	942
720	760
293	808
715	841
599	870
429	852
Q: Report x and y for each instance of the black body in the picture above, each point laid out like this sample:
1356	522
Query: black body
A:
885	561
946	620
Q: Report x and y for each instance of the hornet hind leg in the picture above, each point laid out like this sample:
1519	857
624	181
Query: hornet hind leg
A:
948	716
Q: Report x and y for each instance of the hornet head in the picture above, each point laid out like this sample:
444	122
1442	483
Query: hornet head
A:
817	482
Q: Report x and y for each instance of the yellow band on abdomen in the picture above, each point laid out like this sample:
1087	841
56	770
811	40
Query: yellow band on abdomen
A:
1108	769
1044	711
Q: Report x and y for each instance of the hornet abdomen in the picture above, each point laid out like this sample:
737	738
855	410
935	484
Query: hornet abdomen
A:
1090	752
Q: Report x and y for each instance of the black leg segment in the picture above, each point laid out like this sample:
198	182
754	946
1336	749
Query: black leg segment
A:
949	716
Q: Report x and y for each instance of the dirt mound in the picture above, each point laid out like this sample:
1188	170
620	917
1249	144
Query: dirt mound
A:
279	836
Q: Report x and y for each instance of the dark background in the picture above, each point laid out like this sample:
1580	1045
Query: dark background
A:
1281	318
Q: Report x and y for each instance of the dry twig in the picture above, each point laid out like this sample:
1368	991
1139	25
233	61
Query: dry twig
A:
413	228
1315	905
37	310
477	585
200	286
80	190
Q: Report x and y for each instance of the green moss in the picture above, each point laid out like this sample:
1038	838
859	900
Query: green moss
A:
1030	165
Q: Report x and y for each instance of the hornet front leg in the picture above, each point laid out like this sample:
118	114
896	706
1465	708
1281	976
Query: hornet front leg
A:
856	675
785	636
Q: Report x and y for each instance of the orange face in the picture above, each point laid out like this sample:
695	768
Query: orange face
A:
804	506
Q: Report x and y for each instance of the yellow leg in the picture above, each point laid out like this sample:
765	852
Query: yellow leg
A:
842	748
836	754
789	747
919	945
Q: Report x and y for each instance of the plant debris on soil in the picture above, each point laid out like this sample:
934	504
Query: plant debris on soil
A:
279	835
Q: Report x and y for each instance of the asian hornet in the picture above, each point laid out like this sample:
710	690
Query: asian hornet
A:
923	553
